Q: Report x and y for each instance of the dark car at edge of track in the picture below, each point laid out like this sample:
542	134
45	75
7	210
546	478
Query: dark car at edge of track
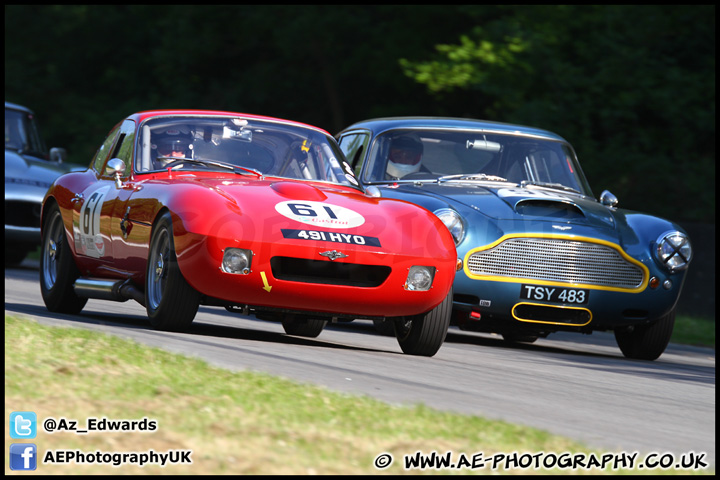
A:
30	169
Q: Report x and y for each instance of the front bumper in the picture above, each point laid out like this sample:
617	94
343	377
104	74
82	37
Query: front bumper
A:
616	288
295	277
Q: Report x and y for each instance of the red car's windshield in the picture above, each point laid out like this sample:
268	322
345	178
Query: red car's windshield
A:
266	147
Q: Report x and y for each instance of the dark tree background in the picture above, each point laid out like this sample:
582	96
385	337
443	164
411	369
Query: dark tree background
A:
631	87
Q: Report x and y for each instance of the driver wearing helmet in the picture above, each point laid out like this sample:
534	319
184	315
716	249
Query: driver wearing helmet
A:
404	157
171	145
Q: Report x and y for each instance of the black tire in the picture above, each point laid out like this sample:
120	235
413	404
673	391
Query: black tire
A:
58	271
171	303
646	342
303	326
424	334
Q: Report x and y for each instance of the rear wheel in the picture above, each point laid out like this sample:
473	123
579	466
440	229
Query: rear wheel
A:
646	342
171	303
424	334
302	326
58	271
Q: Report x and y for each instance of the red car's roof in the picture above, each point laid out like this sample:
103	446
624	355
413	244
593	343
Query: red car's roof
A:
144	115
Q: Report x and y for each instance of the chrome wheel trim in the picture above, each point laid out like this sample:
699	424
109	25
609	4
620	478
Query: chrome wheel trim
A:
157	273
51	252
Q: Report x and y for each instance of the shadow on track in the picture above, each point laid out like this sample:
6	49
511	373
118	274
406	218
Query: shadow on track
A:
198	329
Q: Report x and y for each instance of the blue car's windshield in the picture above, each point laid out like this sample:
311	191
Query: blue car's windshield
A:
252	146
452	155
21	133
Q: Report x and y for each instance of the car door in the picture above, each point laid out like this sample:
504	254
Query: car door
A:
95	207
130	237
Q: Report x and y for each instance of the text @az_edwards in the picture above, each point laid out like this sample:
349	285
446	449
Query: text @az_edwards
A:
93	424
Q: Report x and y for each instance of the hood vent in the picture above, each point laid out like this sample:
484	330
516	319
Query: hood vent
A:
298	191
549	209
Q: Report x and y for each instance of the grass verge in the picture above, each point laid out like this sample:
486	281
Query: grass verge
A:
694	331
233	422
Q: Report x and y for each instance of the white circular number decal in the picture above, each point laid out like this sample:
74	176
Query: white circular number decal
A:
320	214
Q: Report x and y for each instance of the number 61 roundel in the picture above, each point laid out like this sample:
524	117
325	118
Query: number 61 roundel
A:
320	214
88	240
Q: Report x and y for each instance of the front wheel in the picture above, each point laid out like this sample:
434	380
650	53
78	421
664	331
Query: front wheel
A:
58	271
171	303
424	334
303	326
646	342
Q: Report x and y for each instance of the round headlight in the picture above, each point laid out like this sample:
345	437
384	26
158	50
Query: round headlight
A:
674	250
236	260
453	221
420	278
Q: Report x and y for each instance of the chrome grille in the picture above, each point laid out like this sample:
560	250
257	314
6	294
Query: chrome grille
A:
557	260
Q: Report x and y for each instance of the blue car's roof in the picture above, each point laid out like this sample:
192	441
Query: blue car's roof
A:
378	125
15	106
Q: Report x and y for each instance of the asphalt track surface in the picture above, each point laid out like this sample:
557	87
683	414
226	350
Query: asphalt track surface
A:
578	386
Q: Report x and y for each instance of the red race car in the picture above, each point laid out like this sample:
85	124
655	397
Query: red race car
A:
258	215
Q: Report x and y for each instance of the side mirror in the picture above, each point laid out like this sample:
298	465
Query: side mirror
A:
115	167
58	155
608	199
373	191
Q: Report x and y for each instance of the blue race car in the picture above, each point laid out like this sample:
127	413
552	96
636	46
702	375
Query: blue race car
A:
540	254
30	169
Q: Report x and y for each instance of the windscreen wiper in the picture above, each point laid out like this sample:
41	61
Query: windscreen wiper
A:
228	166
472	176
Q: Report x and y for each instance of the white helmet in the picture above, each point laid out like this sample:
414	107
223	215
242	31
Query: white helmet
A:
404	156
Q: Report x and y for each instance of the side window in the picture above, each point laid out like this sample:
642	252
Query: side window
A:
119	143
354	147
102	154
124	147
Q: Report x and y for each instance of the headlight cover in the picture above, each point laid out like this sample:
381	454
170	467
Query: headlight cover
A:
420	278
674	250
237	261
453	221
